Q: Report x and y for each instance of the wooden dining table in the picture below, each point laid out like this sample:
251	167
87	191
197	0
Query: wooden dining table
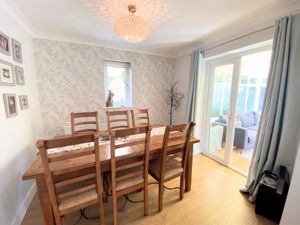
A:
36	170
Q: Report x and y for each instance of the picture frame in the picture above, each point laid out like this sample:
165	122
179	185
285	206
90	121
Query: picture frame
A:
23	99
10	103
4	44
7	77
16	50
19	74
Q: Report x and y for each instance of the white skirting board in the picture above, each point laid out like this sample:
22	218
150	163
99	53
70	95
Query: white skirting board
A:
24	206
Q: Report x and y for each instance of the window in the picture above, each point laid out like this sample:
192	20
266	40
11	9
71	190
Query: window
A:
117	78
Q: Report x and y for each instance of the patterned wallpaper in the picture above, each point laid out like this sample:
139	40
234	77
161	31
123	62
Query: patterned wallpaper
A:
71	78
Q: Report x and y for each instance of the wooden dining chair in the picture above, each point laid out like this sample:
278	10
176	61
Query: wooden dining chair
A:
117	120
84	122
79	184
129	175
140	117
173	160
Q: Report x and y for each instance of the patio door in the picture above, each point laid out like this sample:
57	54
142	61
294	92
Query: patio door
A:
235	93
223	80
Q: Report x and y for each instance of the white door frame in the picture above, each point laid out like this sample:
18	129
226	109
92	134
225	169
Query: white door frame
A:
210	64
229	136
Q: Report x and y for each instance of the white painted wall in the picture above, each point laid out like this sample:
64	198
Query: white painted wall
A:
182	75
17	134
291	214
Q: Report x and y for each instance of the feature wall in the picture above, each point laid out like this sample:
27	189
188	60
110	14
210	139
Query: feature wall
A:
71	79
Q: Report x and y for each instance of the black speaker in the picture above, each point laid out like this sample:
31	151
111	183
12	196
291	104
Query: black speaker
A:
272	194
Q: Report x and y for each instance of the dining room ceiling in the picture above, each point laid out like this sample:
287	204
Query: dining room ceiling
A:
175	25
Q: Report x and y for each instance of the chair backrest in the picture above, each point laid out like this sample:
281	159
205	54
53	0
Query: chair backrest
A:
77	176
140	117
117	120
176	145
140	145
84	122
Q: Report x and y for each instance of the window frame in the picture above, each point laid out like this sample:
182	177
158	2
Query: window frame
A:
128	80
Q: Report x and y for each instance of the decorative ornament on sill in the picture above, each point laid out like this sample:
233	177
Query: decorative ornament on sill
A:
109	101
132	28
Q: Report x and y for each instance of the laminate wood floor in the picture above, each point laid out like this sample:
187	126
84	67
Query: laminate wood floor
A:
237	160
214	200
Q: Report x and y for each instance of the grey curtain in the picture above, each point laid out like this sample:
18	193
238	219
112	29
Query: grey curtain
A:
279	133
195	69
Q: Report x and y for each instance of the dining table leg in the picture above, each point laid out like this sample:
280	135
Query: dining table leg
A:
44	198
188	174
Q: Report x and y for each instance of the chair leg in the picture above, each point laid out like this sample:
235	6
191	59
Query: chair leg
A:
58	220
160	196
115	208
181	186
105	191
146	200
57	217
101	213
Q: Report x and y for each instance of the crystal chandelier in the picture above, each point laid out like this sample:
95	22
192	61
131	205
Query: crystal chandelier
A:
132	28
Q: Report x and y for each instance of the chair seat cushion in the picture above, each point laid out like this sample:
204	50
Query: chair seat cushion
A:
128	182
123	184
78	201
173	168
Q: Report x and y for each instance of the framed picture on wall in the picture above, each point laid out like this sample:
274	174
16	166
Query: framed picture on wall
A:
6	73
4	44
17	50
10	103
19	73
23	102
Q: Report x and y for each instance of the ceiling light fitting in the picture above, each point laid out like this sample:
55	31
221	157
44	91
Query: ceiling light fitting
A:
132	28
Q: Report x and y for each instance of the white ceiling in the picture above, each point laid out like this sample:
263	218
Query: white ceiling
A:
176	25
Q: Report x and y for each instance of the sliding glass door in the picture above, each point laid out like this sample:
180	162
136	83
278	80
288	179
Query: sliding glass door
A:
235	96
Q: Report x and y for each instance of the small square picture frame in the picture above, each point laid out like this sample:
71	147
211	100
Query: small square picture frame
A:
19	74
17	50
4	44
7	77
10	103
23	99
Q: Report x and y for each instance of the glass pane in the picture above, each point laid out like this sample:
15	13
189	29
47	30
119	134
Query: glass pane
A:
116	79
241	99
222	79
253	80
261	99
255	69
251	99
265	81
243	79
